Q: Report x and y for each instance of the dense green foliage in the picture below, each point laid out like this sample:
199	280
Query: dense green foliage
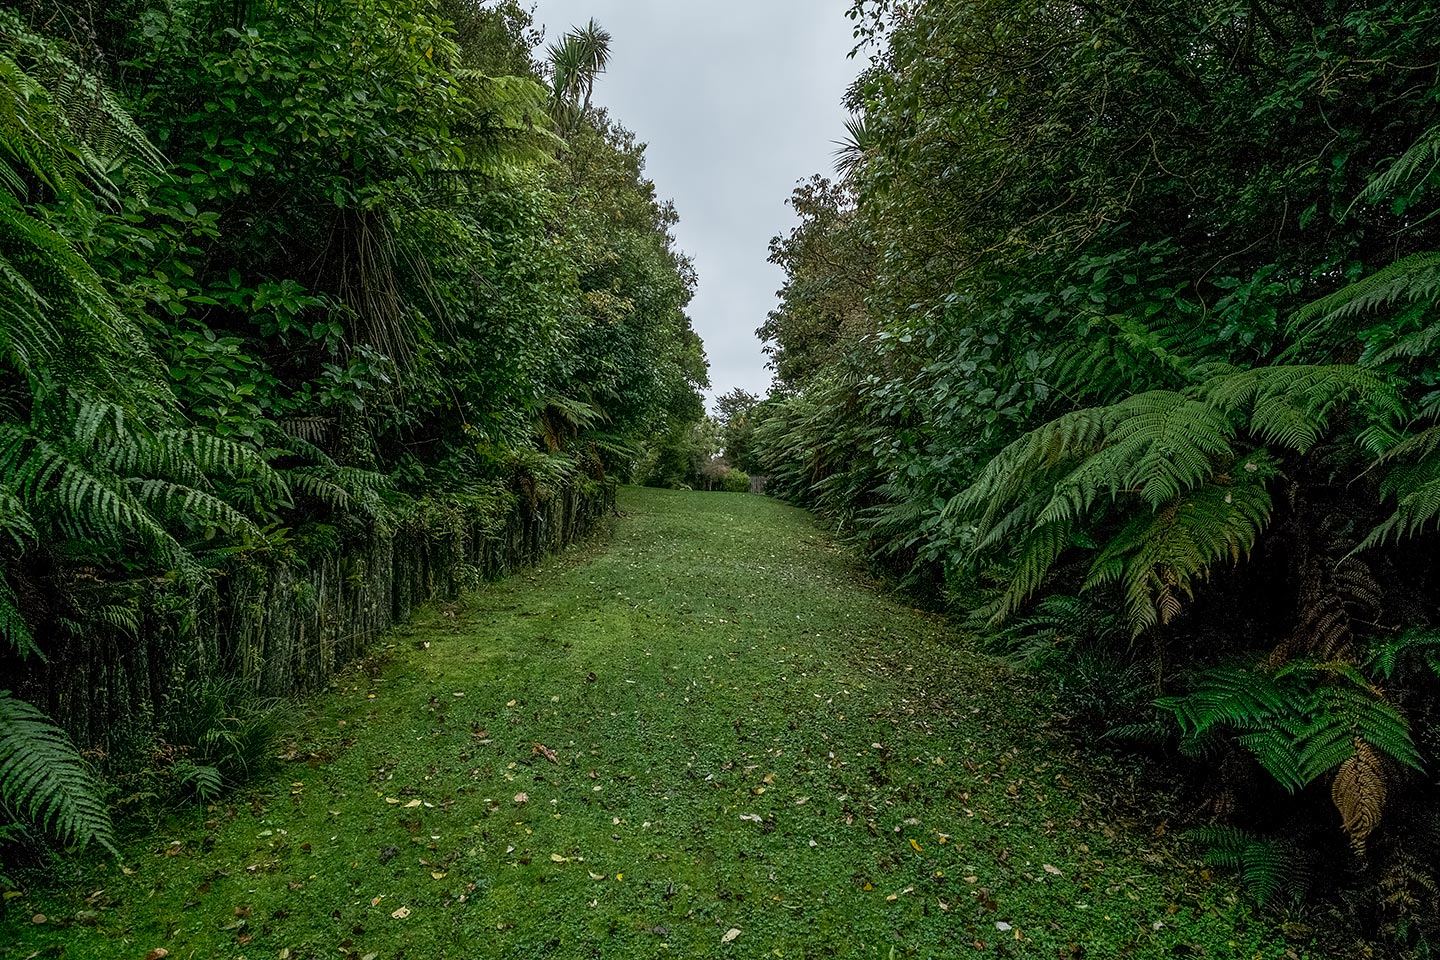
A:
1133	309
272	274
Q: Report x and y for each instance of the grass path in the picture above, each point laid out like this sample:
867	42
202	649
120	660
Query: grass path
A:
747	736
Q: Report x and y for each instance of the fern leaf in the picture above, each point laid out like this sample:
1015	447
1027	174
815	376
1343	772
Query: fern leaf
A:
1268	867
1159	557
13	628
43	778
1388	657
1359	793
1292	406
1413	279
1412	168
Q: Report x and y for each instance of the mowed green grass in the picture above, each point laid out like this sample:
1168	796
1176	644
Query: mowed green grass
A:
747	735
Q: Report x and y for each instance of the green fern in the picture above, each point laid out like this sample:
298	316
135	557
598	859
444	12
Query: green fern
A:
44	781
14	631
1412	478
1411	169
1402	652
1293	406
1413	279
1270	868
1158	557
1181	475
1300	722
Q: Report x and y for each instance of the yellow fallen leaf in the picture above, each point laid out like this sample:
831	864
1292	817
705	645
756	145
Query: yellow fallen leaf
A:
916	844
730	935
412	804
559	859
392	800
893	896
867	887
437	875
596	876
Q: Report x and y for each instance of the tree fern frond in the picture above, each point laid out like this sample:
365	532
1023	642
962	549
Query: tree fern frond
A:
1413	279
189	505
1392	655
1268	867
1300	723
44	780
1359	793
1158	557
1042	547
1412	168
1291	406
14	631
1226	696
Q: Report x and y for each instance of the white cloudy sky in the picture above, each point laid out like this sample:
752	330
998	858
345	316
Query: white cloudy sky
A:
738	100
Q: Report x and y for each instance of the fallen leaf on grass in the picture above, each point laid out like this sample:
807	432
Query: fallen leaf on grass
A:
437	875
522	798
556	858
730	934
412	804
1055	870
157	954
916	845
401	914
596	876
544	751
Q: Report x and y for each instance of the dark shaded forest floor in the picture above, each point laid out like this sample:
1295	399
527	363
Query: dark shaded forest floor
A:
711	736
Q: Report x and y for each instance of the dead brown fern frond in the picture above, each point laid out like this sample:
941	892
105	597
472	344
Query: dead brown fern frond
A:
1359	792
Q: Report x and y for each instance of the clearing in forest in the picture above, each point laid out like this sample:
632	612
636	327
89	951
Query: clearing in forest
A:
709	736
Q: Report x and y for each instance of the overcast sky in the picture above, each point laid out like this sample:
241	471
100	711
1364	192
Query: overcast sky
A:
738	100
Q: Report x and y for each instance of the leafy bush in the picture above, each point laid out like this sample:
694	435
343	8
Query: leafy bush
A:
1166	350
735	481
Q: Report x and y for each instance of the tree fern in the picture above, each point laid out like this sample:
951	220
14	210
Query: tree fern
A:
14	631
1411	169
1269	867
44	781
1405	651
1293	406
1158	557
1301	723
1412	279
1412	478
